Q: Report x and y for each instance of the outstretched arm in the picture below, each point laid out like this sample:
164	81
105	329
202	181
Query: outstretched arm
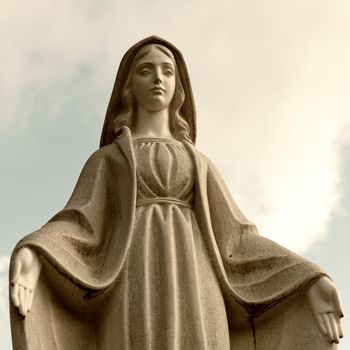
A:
25	275
325	305
280	271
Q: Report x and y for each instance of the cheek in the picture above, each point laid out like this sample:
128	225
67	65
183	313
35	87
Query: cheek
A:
138	88
171	86
136	84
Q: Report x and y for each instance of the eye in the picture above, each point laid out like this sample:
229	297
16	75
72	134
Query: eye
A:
144	72
168	73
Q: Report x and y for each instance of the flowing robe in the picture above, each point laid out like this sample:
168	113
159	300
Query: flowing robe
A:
84	246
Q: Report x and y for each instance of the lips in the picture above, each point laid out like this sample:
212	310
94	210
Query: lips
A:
158	89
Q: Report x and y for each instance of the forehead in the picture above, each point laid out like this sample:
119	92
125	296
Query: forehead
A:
153	54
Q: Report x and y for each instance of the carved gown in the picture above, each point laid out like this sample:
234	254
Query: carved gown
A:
168	295
131	262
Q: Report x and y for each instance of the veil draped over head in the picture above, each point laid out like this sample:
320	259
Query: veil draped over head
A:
116	104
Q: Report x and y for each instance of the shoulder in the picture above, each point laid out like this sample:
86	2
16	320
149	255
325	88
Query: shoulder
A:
206	164
103	156
206	160
197	153
211	169
105	152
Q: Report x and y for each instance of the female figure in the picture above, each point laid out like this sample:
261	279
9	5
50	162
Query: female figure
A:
151	252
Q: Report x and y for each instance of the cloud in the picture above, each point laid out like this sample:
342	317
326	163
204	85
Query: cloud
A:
270	81
285	118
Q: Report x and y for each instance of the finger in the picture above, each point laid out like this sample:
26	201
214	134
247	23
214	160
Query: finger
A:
321	324
334	327
30	301
340	328
336	301
16	271
26	301
329	333
14	294
21	300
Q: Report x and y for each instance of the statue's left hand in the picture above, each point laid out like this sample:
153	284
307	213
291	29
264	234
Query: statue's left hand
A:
325	305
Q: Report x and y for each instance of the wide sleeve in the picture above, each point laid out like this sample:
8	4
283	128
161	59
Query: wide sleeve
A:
76	239
260	271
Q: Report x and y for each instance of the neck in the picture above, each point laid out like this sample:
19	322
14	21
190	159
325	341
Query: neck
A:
152	124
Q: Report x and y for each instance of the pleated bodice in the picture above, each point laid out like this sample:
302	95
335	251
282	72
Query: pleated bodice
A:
164	169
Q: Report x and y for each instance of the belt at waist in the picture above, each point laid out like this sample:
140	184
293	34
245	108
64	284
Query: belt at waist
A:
161	200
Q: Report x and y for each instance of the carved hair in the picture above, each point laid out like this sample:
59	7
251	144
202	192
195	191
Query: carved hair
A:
126	117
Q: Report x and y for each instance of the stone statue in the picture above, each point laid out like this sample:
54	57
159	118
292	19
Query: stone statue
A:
152	253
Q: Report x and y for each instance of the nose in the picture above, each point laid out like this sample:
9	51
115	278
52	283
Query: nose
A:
158	76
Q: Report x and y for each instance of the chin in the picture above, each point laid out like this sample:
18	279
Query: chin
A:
157	107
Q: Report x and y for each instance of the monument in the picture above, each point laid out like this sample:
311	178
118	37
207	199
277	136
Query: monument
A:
152	253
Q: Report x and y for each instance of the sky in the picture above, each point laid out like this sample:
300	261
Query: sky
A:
271	85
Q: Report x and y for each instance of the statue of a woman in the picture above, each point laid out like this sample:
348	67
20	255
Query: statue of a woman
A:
152	253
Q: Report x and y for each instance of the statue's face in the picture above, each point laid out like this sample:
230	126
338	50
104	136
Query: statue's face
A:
153	79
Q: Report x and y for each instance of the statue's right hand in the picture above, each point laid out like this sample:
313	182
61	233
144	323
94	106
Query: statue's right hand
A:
25	275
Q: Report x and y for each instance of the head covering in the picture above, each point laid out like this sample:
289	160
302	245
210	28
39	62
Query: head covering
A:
115	104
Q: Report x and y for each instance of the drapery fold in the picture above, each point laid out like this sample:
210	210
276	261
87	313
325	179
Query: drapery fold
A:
85	244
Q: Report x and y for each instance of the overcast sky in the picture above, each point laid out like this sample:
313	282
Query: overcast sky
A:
271	85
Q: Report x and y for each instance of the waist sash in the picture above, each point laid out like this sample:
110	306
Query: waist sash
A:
163	200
